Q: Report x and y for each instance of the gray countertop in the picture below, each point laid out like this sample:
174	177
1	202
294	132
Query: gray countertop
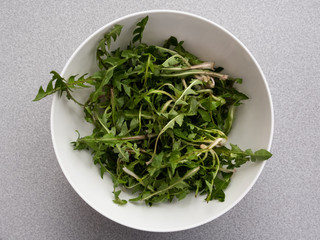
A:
36	200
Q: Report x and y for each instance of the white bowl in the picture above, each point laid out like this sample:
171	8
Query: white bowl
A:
253	127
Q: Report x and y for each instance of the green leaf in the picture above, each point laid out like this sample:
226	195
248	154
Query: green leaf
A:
228	122
260	155
61	85
98	75
178	119
101	49
192	58
188	91
108	75
171	61
198	184
127	89
117	200
220	185
120	102
174	160
178	182
138	32
176	145
124	130
122	152
172	184
41	94
102	169
193	107
210	187
115	61
239	157
114	33
129	53
157	161
204	115
235	148
172	41
133	123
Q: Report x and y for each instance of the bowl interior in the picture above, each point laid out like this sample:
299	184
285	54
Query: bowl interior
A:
253	126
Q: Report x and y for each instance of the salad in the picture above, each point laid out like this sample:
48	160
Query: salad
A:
161	120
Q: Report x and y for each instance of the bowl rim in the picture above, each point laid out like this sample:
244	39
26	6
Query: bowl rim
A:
190	226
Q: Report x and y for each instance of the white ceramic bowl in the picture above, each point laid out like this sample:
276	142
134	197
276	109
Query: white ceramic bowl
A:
253	127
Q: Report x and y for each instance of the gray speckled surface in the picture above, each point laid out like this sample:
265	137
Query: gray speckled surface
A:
37	202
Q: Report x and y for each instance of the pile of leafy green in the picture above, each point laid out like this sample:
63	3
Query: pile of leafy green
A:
161	118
